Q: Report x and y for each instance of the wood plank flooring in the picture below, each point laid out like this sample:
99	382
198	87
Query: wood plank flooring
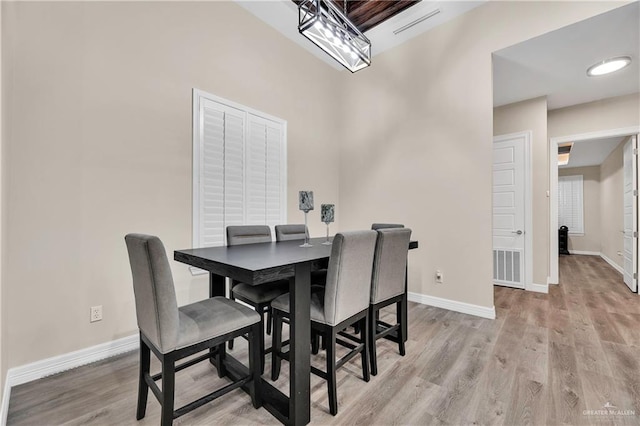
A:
545	360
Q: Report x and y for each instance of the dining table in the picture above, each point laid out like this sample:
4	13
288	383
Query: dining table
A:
261	263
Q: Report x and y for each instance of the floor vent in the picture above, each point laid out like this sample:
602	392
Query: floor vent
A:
506	266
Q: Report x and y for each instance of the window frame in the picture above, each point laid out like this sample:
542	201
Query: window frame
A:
580	178
197	132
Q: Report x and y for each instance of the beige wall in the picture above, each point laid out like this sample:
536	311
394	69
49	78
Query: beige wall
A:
419	142
100	145
606	114
591	240
612	205
531	115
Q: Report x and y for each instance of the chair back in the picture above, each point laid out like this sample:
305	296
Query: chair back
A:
291	232
248	234
348	287
155	295
390	263
377	226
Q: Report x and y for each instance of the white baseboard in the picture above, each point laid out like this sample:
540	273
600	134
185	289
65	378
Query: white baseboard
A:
538	288
585	253
46	367
453	305
613	264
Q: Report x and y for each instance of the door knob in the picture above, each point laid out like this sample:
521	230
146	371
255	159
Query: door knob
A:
519	232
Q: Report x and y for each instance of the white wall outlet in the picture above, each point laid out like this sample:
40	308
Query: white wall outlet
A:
96	313
439	276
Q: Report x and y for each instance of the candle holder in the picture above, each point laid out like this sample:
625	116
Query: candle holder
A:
305	203
327	215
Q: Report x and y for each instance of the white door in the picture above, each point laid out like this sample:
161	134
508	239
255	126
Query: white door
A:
509	211
630	252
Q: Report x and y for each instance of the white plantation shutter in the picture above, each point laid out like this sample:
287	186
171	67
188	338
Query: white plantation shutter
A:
570	203
264	171
274	176
239	168
256	172
211	209
234	174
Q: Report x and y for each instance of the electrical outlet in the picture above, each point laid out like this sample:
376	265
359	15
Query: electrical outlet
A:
439	276
96	313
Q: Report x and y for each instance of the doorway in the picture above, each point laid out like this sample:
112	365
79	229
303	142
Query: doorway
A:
630	194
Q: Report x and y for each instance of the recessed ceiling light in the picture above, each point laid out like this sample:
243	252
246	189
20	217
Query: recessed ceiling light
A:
608	66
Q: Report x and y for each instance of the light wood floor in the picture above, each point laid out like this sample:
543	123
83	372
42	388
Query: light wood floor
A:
546	359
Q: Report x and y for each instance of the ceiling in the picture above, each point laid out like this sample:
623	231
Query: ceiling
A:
367	14
283	16
592	152
555	64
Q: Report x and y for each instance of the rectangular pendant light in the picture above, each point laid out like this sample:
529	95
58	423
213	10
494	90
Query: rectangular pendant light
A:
328	28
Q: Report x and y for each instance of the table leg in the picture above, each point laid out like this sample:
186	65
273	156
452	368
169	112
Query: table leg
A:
405	316
299	356
217	285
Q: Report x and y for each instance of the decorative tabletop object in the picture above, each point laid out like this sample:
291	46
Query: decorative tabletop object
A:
327	215
305	203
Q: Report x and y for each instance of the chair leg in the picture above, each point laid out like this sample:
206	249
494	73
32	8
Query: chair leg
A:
232	298
276	346
168	390
220	360
401	313
372	342
143	387
254	364
364	338
269	319
261	342
331	371
315	342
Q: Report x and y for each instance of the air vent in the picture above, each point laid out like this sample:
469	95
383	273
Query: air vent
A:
416	22
564	149
507	266
563	153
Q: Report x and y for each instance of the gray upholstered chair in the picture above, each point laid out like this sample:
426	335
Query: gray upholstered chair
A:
376	226
300	232
388	287
344	301
291	232
173	333
260	296
318	278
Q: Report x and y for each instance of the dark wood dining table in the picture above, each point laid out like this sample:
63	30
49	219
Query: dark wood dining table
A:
257	264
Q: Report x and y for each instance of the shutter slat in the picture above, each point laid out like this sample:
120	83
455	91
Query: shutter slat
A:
211	169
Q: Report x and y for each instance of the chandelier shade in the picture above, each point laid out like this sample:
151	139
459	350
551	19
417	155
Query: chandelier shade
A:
328	28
